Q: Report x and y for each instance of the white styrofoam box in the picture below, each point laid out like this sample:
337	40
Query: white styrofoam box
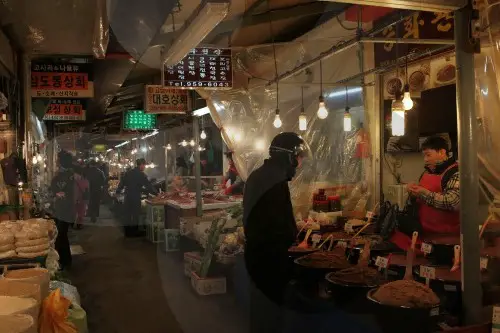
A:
192	262
172	237
208	286
154	232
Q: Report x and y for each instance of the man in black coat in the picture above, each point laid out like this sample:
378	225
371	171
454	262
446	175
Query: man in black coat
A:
96	181
62	189
134	182
270	230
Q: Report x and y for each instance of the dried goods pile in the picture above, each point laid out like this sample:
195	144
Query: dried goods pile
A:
325	260
26	239
407	293
358	275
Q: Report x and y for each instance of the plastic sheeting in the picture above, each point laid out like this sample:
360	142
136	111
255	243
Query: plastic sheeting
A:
50	27
245	116
488	99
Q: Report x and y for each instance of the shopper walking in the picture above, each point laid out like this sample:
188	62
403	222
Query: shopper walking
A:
135	182
270	230
63	190
81	196
96	181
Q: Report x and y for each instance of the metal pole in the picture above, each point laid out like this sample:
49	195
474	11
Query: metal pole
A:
162	68
165	143
27	151
197	166
469	181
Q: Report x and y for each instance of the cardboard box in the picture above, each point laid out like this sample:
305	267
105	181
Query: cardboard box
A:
208	286
172	238
192	263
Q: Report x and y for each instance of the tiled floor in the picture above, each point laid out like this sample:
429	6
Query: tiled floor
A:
129	286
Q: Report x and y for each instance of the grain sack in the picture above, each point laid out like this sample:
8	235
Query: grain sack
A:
32	242
30	255
20	289
6	237
7	247
17	324
31	233
8	254
39	276
33	249
10	305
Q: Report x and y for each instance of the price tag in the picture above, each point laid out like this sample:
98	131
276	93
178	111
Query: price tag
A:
426	248
316	238
342	244
450	287
382	262
348	228
483	263
496	315
428	272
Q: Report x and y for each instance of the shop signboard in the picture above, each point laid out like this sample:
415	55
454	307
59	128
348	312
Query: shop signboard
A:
61	80
138	120
66	110
159	99
207	68
421	25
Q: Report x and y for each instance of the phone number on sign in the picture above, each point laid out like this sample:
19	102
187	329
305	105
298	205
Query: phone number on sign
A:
57	117
184	84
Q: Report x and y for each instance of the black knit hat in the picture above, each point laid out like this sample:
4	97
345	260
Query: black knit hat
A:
65	159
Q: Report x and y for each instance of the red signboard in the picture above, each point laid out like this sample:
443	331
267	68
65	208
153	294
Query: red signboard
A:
65	109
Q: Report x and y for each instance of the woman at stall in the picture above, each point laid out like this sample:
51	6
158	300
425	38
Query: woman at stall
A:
232	183
437	194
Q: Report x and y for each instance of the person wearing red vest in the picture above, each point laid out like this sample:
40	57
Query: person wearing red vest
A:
437	194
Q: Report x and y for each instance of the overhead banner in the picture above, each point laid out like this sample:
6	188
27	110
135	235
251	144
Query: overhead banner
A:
423	25
66	109
159	99
208	68
63	80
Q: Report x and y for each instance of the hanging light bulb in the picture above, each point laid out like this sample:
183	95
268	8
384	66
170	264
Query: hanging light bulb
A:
203	135
34	161
277	120
200	148
184	143
192	143
144	149
347	120
407	101
302	117
39	158
322	110
398	117
169	146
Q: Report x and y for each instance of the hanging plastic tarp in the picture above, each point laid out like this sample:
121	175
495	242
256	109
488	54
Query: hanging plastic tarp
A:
245	116
488	98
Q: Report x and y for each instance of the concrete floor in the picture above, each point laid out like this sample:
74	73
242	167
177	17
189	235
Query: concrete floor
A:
130	286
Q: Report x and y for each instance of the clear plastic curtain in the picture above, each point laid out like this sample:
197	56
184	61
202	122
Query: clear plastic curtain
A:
488	100
245	116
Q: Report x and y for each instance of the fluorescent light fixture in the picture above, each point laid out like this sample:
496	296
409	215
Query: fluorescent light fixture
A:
342	92
155	132
201	112
122	144
420	5
107	151
204	19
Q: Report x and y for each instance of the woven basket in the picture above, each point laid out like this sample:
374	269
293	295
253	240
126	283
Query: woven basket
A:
16	305
20	289
17	324
39	276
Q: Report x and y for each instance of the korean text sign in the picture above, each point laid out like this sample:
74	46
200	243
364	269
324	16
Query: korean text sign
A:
66	109
208	68
158	99
425	25
61	80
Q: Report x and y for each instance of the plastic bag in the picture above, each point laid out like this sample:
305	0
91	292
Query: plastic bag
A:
54	315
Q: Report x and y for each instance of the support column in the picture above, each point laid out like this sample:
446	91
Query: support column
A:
197	166
27	146
468	162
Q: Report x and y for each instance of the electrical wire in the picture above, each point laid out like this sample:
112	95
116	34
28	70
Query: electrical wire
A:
343	26
274	52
